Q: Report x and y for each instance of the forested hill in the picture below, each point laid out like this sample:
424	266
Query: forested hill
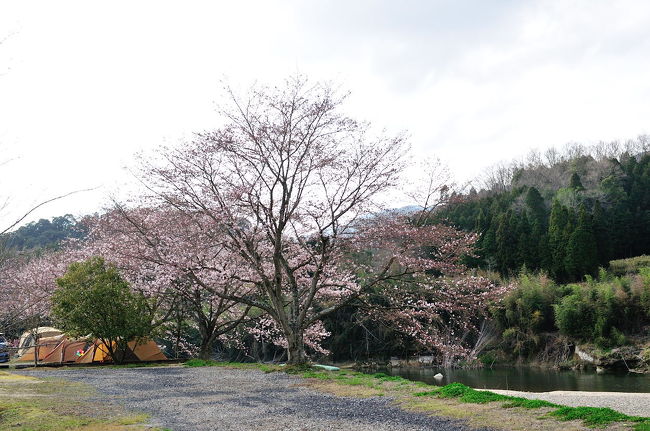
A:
566	215
44	233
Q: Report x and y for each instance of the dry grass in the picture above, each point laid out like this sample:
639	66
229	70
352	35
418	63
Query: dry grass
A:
489	415
28	403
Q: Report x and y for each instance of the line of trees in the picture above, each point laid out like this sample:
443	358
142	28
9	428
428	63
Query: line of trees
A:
43	234
578	218
273	223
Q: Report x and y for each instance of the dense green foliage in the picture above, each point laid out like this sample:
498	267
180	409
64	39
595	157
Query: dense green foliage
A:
601	311
551	219
92	298
45	233
527	312
629	266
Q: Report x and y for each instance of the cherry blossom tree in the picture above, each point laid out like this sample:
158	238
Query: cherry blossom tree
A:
160	254
293	187
27	283
26	287
152	251
441	316
433	302
443	310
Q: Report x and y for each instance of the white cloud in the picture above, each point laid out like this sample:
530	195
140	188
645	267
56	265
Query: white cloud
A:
83	85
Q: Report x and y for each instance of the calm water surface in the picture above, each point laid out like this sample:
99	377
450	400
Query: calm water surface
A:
530	379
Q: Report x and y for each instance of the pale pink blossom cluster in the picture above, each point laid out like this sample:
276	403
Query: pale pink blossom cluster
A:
27	283
441	316
267	330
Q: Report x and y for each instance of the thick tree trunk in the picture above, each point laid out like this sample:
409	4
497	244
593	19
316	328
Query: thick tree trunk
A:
208	335
206	349
296	348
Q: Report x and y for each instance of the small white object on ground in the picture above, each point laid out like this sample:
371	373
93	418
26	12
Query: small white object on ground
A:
438	376
327	367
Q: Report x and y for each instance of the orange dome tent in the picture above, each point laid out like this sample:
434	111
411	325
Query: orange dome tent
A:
59	349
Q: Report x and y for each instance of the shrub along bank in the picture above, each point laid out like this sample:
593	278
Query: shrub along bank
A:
539	319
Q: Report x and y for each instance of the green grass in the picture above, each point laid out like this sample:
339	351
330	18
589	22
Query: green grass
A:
317	375
202	363
643	426
452	390
591	416
527	404
386	378
33	404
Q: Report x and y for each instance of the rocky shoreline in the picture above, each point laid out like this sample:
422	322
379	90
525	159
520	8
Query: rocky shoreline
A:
634	359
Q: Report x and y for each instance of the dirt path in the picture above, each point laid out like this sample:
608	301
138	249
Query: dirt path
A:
215	398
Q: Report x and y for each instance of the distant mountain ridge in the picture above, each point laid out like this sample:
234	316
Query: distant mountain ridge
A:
44	233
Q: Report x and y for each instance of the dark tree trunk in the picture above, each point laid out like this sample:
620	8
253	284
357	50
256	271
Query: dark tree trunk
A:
206	349
208	335
296	348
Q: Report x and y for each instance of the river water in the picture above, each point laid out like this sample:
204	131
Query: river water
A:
529	379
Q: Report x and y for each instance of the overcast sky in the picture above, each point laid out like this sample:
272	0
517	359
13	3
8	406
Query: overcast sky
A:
84	85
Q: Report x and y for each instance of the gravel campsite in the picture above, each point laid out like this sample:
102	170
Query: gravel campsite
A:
216	398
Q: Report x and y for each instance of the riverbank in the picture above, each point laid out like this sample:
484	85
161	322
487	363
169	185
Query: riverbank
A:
501	411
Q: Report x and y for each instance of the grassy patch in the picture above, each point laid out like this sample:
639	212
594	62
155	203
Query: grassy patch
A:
386	378
452	390
591	416
317	375
31	404
201	363
426	393
528	404
267	368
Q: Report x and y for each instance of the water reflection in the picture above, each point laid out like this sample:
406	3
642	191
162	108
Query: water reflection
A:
530	379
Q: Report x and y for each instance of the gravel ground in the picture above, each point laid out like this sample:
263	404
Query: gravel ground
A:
214	398
636	404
